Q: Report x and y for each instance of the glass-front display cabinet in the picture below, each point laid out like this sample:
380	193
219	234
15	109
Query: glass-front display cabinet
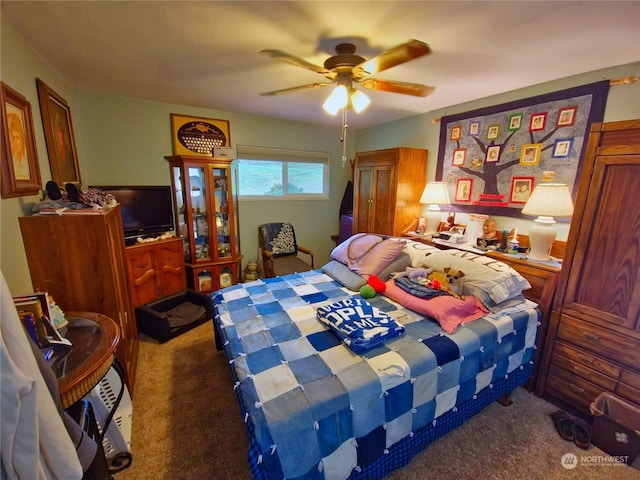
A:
206	211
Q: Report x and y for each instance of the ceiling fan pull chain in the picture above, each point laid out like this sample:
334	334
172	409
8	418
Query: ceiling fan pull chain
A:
344	136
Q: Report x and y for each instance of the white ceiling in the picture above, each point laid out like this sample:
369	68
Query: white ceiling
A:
206	54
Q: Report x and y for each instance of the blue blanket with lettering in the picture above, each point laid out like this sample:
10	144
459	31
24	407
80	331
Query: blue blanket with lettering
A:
358	324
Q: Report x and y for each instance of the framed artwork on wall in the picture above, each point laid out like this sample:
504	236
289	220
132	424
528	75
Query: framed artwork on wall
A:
532	137
197	135
521	188
58	133
567	116
463	189
20	169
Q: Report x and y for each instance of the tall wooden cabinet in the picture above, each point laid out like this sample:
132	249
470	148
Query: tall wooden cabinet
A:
156	269
593	341
79	259
387	188
206	209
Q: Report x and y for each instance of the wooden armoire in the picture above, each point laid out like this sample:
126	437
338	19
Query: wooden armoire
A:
593	341
79	259
387	188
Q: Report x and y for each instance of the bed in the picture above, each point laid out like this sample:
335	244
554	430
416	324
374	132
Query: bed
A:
316	409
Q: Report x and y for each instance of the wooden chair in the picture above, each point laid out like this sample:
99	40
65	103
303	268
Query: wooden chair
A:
279	250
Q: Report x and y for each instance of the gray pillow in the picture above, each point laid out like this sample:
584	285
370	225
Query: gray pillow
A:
343	275
400	264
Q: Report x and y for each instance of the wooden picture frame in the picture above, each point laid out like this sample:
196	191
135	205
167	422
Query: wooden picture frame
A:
474	128
19	162
567	116
58	133
521	188
530	154
198	136
463	189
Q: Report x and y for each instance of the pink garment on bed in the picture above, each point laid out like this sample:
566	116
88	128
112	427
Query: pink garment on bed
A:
447	310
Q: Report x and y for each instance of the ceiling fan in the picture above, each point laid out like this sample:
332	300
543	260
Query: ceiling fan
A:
346	68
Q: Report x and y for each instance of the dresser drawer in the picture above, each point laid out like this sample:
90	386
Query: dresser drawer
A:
585	372
632	379
628	393
599	340
585	358
574	390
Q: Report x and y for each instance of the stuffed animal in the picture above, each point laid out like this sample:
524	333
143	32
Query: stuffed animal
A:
376	283
251	271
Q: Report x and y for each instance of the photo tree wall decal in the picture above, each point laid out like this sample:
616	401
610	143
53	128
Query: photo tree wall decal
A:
492	158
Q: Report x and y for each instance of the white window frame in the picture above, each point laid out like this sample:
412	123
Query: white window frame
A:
286	156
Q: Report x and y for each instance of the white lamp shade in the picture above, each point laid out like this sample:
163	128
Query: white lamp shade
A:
359	101
549	200
337	100
435	193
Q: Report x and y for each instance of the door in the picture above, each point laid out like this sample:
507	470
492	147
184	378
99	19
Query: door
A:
604	285
362	203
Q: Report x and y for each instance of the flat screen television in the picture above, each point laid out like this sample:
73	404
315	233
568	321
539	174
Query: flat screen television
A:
146	211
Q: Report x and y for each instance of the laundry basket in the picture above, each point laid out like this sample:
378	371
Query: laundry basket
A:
112	407
616	426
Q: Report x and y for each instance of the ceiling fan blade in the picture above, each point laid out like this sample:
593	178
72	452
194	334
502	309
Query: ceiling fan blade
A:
392	86
295	61
300	87
394	56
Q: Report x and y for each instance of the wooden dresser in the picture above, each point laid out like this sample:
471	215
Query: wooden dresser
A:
593	340
79	259
387	188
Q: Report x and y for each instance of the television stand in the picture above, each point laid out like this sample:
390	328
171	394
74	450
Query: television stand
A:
155	269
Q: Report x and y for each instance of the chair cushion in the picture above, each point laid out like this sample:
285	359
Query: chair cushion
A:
290	264
279	239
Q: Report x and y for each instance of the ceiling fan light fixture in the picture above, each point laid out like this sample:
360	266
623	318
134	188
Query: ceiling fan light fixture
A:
337	100
359	101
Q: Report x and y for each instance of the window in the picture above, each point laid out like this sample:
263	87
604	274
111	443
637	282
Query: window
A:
282	174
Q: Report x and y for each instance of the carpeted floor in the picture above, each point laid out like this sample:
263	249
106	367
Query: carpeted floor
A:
187	425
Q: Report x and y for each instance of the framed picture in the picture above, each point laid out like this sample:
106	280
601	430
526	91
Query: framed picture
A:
58	133
515	122
493	153
521	188
567	116
493	132
530	154
459	157
198	136
463	189
474	128
456	132
562	148
538	122
421	225
20	169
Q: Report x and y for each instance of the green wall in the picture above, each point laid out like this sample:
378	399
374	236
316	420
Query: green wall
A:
124	141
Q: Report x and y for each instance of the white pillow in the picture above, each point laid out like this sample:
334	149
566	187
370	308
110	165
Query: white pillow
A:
495	278
416	250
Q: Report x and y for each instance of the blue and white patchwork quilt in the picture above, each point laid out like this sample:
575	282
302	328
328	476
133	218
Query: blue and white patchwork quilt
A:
315	409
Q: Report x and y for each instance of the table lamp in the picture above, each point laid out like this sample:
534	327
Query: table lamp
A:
435	194
547	200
